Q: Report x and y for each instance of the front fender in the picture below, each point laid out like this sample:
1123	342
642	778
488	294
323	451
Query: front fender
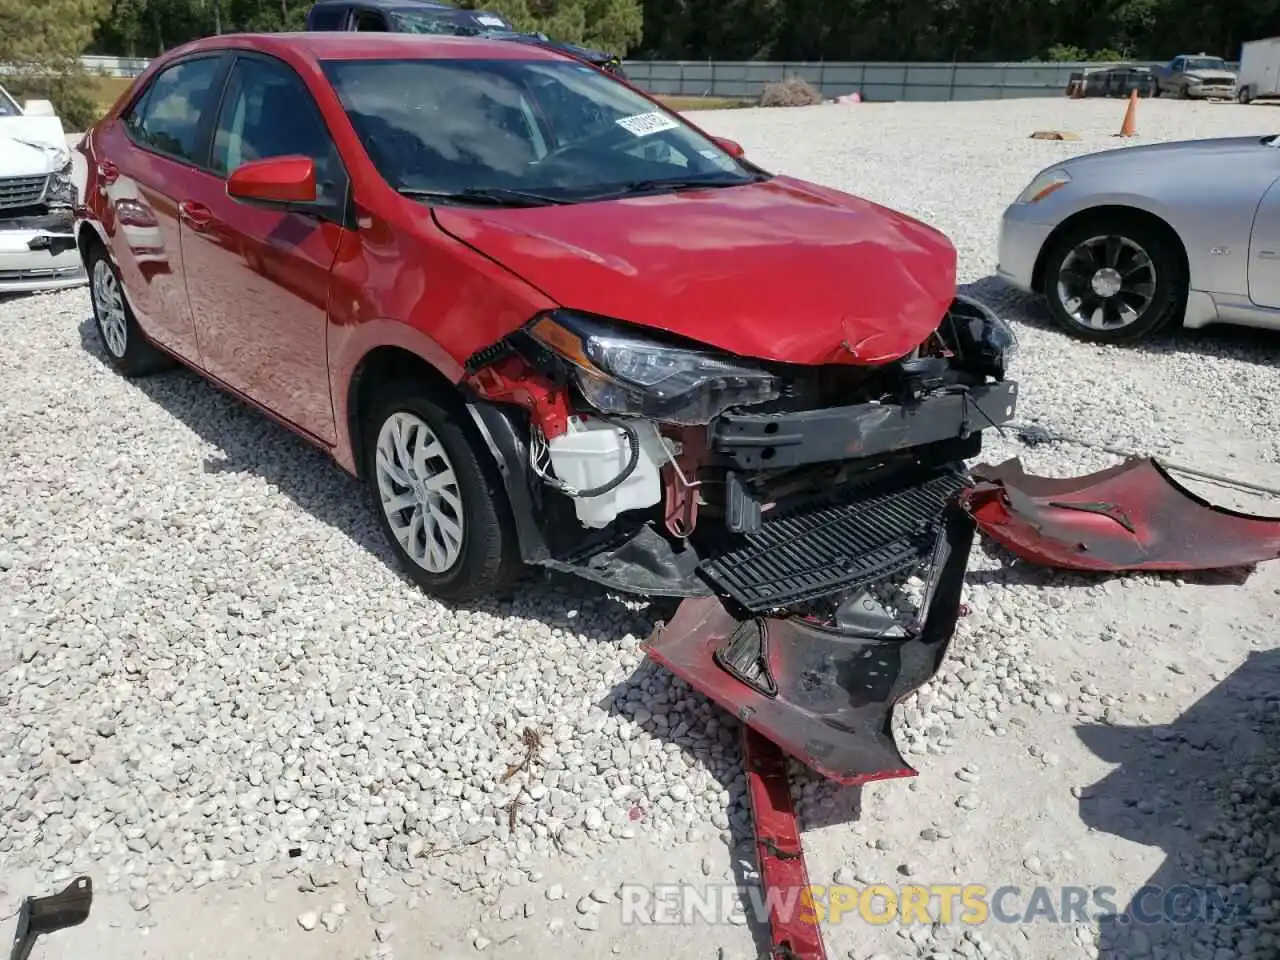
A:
350	344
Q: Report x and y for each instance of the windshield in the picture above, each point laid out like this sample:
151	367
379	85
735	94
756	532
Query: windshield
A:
460	24
558	129
1206	63
8	106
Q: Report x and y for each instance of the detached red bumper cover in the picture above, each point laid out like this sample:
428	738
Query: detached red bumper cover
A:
822	693
1134	516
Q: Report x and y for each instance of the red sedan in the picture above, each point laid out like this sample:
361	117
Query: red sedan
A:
548	321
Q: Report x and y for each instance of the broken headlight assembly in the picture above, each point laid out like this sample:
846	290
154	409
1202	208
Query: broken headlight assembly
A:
625	373
61	191
983	343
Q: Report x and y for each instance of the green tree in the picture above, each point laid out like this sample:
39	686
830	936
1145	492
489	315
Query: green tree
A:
613	25
41	42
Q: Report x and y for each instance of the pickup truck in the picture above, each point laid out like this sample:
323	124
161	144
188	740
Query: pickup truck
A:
37	196
1195	76
441	17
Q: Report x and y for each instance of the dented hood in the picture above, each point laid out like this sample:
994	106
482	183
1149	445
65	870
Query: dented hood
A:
31	146
779	270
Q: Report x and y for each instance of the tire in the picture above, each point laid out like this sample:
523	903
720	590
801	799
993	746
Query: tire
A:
482	558
126	346
1182	92
1075	269
1244	96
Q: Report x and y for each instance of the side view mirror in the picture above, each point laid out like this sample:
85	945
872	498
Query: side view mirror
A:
277	181
731	147
39	108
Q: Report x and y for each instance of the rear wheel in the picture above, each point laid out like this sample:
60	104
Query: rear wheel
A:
1113	281
128	350
442	509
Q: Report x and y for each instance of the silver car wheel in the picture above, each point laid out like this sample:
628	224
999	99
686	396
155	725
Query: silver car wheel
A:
1106	283
419	492
108	301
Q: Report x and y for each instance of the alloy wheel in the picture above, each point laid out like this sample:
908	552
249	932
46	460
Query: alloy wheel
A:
108	301
419	492
1106	283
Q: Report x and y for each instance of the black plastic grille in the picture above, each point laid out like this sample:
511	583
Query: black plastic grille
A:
834	545
22	191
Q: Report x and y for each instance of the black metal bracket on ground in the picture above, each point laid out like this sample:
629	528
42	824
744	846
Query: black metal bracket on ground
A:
41	915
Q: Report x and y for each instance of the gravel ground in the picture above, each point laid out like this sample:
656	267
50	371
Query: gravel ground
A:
220	700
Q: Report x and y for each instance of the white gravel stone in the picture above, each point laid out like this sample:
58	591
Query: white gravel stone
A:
205	660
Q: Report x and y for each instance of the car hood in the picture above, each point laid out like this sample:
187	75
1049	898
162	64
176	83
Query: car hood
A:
30	146
586	53
778	270
1210	74
1225	148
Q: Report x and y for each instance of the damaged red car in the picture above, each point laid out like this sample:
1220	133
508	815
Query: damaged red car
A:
549	322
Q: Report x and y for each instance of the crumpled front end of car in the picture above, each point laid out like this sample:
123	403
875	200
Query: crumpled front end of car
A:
776	498
37	230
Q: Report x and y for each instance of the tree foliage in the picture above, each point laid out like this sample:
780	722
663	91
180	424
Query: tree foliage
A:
947	30
40	47
40	39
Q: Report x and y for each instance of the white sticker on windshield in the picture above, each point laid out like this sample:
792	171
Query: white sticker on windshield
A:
643	124
491	21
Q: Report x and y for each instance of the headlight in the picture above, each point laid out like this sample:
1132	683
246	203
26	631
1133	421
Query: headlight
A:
622	372
1043	185
982	341
61	190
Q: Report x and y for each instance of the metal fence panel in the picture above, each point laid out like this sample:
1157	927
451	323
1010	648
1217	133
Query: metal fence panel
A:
874	80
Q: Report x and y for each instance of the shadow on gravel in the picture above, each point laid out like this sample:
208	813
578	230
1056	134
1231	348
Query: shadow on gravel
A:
1217	342
252	444
664	706
1014	571
1206	791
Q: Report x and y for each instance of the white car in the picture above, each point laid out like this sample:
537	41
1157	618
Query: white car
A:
37	200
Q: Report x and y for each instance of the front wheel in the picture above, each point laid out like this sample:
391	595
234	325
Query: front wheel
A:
1113	282
1244	96
442	510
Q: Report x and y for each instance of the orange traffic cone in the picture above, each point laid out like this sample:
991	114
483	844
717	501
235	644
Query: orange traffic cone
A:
1129	127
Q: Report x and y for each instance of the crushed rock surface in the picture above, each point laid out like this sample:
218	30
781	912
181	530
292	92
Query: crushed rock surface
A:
217	695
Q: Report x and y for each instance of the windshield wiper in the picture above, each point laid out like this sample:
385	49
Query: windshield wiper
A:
675	183
492	196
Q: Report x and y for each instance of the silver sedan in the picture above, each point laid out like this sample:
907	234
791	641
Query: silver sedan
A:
1125	242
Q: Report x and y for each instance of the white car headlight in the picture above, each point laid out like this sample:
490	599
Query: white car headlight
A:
1043	185
61	190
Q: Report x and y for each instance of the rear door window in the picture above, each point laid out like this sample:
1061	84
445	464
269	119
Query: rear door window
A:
327	17
168	118
371	21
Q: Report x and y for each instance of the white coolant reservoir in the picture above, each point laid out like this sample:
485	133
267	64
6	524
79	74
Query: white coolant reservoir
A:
593	452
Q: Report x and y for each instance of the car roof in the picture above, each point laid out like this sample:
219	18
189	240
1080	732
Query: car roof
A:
406	4
343	45
410	6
